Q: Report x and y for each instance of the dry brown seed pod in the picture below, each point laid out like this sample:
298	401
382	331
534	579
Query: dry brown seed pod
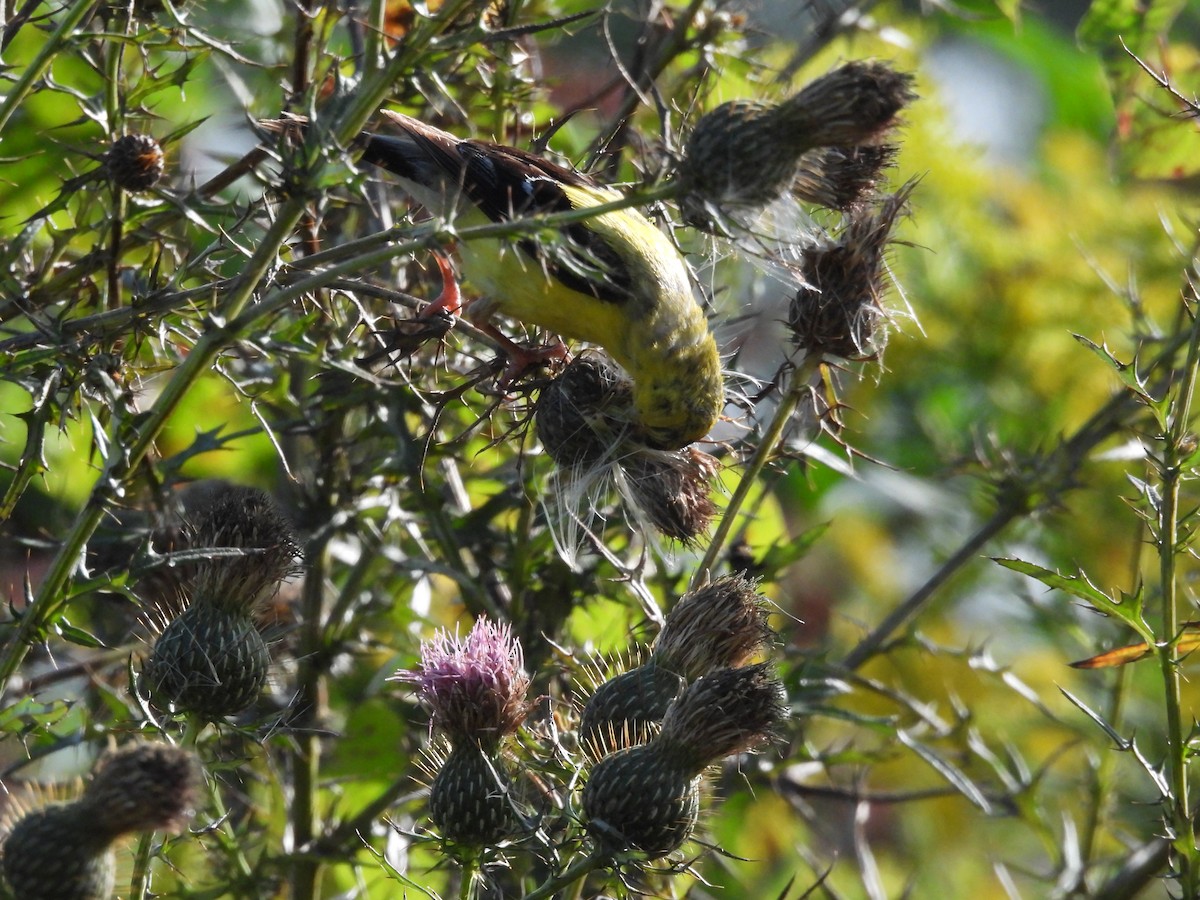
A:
135	162
839	311
746	153
64	851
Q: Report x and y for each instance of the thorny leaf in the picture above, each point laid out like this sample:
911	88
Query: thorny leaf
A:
1128	609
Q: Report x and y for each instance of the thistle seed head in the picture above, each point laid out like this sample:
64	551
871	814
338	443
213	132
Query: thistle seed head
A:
746	153
839	311
474	686
733	158
135	162
673	490
584	414
63	851
248	521
721	625
842	178
469	799
142	787
851	105
636	799
207	662
723	713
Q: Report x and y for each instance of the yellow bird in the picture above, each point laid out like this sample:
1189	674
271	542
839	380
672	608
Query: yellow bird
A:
613	280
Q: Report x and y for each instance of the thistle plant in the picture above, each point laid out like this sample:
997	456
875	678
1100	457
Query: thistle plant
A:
646	798
184	298
474	688
722	625
135	162
65	851
211	659
824	142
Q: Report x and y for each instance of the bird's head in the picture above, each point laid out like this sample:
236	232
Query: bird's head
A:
682	403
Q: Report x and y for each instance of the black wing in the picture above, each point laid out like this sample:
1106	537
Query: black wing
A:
506	183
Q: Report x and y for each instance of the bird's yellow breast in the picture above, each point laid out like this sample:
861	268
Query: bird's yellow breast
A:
658	334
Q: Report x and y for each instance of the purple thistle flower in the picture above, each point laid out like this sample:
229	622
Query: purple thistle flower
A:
474	686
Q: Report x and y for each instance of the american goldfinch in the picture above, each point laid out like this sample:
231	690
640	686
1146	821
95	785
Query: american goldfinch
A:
613	280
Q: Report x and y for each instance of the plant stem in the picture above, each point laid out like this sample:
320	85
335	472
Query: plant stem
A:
140	882
466	885
128	450
75	14
310	704
1171	468
790	401
578	870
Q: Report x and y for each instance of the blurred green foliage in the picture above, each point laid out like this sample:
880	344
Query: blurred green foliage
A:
950	764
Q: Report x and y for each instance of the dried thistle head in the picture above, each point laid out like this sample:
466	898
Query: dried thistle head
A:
842	178
722	713
260	542
673	490
746	153
474	686
210	659
853	104
721	625
584	414
584	422
143	787
839	311
63	851
135	162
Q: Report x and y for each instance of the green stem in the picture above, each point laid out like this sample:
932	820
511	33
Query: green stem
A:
140	882
1176	449
467	882
129	450
577	871
763	453
75	14
306	872
225	834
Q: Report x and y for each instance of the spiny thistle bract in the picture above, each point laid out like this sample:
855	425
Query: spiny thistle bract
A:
626	709
646	798
64	851
721	625
746	153
475	689
842	178
135	162
837	312
211	660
